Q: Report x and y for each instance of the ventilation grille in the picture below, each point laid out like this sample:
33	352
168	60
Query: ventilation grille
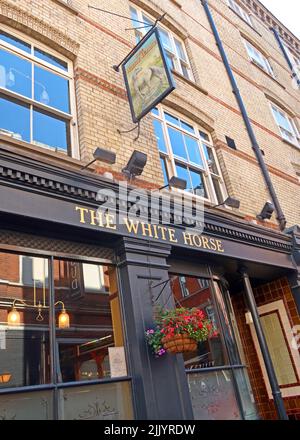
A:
55	246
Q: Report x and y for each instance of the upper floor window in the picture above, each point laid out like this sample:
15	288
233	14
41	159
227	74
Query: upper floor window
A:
295	61
287	126
174	48
258	58
240	11
36	105
186	151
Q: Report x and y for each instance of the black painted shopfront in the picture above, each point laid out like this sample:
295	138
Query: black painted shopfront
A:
58	258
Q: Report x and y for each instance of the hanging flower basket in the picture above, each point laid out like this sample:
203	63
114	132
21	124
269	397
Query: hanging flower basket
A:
179	331
179	344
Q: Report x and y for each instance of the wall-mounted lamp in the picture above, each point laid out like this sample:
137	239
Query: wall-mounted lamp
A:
266	212
231	202
135	165
175	182
13	317
103	156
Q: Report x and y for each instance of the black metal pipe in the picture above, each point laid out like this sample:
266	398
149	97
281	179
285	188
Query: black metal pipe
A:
278	400
280	216
294	74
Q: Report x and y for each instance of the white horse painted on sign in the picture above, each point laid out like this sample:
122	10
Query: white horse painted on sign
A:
142	79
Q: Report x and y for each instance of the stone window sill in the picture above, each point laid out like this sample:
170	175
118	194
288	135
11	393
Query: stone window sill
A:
190	82
267	74
34	151
291	144
251	26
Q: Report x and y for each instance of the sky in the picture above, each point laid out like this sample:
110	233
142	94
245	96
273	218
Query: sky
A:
287	11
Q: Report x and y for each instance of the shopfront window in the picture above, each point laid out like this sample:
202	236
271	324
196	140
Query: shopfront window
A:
68	331
217	378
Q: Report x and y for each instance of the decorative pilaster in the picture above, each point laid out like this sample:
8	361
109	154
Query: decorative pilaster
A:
160	385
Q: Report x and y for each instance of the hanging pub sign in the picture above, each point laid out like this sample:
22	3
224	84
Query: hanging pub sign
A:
147	75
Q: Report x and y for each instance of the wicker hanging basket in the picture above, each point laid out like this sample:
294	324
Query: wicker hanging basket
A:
179	344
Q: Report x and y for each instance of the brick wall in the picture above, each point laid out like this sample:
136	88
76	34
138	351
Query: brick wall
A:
268	293
95	41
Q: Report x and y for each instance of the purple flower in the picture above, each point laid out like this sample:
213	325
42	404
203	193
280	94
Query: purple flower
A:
161	352
150	332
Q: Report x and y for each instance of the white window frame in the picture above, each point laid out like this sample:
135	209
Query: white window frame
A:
258	58
69	75
294	132
240	11
171	160
174	53
279	307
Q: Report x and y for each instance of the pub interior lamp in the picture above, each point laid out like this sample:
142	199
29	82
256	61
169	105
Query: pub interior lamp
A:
231	202
266	212
103	156
135	165
13	317
175	182
63	317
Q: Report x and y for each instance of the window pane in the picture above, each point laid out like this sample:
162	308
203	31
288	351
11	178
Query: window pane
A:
159	136
185	70
15	118
134	16
180	50
51	59
15	73
170	61
193	150
24	351
50	131
165	40
247	398
111	401
14	41
172	119
210	353
213	396
198	184
187	127
164	170
155	111
27	406
204	136
281	119
147	21
209	156
177	144
51	89
279	352
182	173
91	346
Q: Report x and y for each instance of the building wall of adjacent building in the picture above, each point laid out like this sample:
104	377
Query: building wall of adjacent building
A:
95	41
278	290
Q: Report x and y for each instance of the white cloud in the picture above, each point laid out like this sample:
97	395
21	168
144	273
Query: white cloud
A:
287	11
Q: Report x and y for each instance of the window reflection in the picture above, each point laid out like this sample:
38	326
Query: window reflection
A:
50	131
15	73
24	348
90	296
15	119
51	89
196	292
